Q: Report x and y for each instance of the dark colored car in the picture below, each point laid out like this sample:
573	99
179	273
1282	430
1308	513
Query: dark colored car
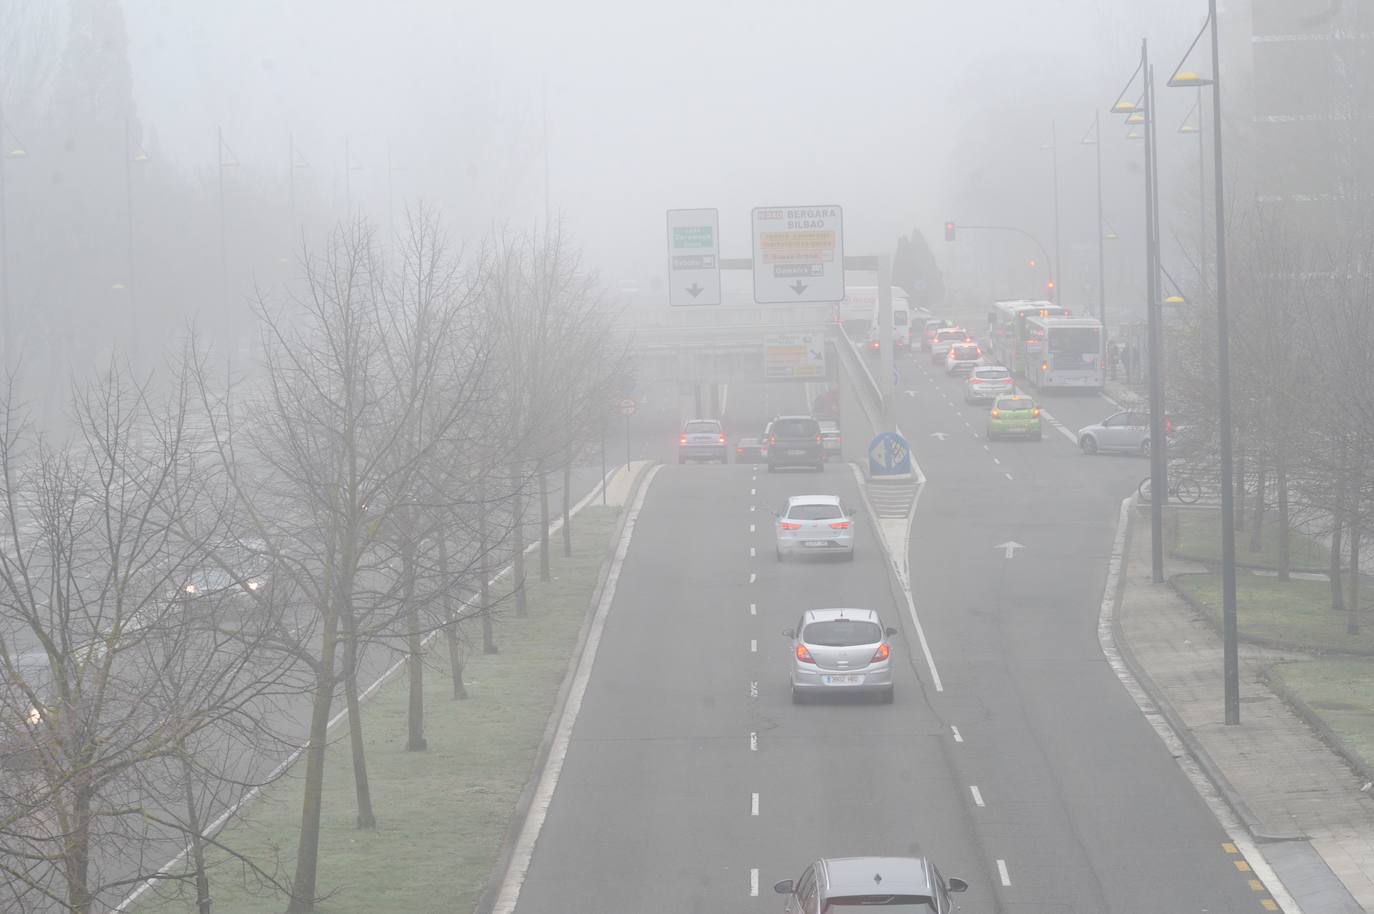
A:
795	441
749	450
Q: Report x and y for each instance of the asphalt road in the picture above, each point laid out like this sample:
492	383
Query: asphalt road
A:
692	782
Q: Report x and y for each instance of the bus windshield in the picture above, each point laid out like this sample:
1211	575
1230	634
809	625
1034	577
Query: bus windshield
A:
1072	345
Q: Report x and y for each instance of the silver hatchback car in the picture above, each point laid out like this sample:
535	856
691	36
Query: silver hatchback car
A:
814	525
904	885
841	650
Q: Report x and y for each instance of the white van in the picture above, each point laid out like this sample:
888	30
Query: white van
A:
901	323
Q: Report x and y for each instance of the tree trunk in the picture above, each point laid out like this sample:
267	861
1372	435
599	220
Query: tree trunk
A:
1281	483
544	573
1337	523
567	505
484	577
76	849
1238	493
518	543
197	838
366	818
1352	612
308	850
451	633
415	708
1257	532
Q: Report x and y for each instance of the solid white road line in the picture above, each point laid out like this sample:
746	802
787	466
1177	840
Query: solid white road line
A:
753	804
1002	871
977	796
754	882
958	737
519	867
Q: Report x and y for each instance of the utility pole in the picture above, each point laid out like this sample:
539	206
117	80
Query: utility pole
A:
1158	485
544	117
1054	156
1101	234
129	232
4	250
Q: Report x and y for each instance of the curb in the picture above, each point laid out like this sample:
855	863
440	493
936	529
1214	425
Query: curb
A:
1270	643
487	900
1333	740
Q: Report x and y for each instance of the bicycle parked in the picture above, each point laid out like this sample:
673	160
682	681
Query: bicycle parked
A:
1181	489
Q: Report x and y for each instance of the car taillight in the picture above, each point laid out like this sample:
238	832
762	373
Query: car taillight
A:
994	414
818	439
874	345
682	440
788	525
840	525
1044	366
804	655
1036	412
722	439
772	439
975	380
882	653
1168	426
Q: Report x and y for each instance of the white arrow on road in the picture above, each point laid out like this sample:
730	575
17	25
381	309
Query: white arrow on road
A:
941	435
1009	547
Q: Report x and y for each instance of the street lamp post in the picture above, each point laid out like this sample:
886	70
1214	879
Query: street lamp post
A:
1230	648
1096	141
1054	157
8	150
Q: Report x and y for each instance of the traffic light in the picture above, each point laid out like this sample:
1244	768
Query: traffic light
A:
949	231
1031	263
1049	285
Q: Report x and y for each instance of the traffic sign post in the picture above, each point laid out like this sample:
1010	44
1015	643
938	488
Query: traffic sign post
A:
798	254
693	257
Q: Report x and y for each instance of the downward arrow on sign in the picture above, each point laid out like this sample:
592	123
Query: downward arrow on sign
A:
694	290
799	287
1009	548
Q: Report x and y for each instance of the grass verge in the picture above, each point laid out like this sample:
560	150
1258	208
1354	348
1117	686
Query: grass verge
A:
1292	613
1199	540
1341	693
442	814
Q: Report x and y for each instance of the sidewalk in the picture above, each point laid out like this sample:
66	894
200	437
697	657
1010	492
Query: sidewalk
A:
1301	803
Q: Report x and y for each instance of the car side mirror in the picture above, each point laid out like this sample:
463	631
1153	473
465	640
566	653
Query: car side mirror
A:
889	631
784	887
957	885
788	633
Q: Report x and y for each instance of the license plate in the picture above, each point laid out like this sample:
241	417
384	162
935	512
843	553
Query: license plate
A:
814	543
844	679
795	453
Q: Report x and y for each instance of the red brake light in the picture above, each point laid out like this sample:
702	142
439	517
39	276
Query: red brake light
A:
682	440
1168	426
1036	412
1044	366
722	439
772	439
840	525
874	345
882	653
804	655
975	380
995	414
818	439
788	525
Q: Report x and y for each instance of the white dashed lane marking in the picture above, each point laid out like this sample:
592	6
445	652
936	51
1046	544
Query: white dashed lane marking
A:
958	737
977	795
754	577
752	553
753	804
753	742
753	609
753	882
753	645
753	688
1002	871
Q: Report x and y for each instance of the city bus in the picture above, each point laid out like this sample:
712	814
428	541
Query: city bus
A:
1064	352
1007	330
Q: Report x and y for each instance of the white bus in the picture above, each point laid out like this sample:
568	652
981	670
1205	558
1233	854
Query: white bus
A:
1007	330
1064	352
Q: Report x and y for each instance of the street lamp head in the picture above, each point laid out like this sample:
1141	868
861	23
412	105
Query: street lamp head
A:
1134	136
1124	107
18	152
1187	79
1188	129
1136	118
1175	300
118	285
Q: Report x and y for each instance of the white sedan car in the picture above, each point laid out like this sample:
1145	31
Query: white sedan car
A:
814	525
988	382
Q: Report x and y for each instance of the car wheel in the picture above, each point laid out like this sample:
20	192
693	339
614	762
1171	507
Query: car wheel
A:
992	436
798	696
1038	436
886	697
849	556
778	553
681	460
1088	444
725	458
820	467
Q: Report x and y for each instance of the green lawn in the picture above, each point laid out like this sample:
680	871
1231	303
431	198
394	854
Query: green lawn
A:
1296	612
1342	693
1199	539
442	814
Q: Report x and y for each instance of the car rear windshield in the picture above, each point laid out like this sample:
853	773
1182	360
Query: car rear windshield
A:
1014	404
814	512
965	352
934	324
703	427
944	335
796	428
895	904
842	633
991	374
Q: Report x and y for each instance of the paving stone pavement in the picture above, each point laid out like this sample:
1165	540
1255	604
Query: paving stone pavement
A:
1292	790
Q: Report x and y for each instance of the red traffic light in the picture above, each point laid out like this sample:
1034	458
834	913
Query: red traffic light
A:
949	231
1031	263
1050	285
